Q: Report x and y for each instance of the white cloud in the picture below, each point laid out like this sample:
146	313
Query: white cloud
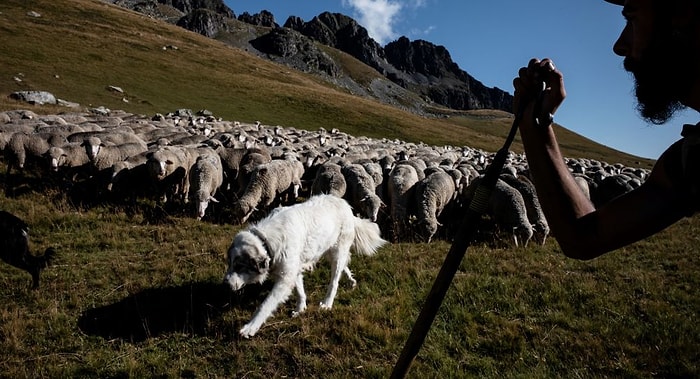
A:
377	16
421	33
418	3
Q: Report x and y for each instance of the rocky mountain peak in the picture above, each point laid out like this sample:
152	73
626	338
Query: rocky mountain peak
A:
421	67
264	18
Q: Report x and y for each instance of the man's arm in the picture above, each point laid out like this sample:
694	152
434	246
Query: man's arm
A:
582	231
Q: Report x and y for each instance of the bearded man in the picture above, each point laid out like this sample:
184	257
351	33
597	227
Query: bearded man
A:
660	45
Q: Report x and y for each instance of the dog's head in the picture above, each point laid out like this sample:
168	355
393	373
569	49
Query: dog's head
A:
248	261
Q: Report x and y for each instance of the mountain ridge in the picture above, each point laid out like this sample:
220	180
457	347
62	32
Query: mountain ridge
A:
419	66
79	49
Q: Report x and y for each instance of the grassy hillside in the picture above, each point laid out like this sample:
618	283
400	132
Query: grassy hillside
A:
77	48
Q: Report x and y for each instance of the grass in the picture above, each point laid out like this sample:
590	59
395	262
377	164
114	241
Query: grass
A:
135	293
131	298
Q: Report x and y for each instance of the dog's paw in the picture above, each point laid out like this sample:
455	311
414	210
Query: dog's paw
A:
323	305
298	311
248	331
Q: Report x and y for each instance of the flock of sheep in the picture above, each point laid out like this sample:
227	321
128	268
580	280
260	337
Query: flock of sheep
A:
415	192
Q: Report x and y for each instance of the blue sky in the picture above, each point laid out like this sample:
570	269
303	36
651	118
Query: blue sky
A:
492	39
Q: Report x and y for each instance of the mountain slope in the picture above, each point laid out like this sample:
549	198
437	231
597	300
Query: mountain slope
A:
77	48
424	72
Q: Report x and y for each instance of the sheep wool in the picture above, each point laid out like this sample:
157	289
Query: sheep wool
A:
206	177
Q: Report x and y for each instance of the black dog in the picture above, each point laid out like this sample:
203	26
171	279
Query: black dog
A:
14	247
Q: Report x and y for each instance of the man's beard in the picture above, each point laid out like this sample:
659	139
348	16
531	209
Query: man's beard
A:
663	76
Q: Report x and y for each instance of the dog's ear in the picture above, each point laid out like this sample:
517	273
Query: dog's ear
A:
263	264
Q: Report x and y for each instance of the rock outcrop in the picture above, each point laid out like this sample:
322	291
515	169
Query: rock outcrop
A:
425	70
294	49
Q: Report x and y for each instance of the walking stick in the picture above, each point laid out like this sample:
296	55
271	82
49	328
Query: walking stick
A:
477	207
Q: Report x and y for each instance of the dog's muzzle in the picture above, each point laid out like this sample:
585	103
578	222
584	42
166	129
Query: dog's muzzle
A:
234	281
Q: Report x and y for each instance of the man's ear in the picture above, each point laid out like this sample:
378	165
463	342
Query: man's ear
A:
683	15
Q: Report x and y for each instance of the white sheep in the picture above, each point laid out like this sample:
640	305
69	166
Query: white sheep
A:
532	204
361	191
269	184
231	158
169	167
507	207
119	168
103	156
374	170
70	155
400	187
206	176
432	196
6	131
247	165
29	147
115	136
329	180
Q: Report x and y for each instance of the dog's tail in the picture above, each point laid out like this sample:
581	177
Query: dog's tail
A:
367	237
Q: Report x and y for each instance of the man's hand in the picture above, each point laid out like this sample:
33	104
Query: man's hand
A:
540	79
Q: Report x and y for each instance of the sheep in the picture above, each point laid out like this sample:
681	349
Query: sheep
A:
169	167
400	187
104	156
361	191
14	247
329	180
231	158
609	188
374	170
507	207
130	181
312	159
268	183
115	136
29	147
6	132
206	176
70	155
118	169
532	203
248	164
584	184
432	195
418	164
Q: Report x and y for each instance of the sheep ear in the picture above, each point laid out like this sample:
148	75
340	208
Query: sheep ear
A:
211	198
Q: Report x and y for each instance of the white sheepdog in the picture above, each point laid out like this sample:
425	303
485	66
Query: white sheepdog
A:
290	241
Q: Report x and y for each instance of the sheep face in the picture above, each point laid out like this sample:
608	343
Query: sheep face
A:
93	150
426	229
241	211
370	206
202	203
160	168
522	235
56	157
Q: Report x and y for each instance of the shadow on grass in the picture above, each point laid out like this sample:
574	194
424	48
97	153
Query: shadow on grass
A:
194	309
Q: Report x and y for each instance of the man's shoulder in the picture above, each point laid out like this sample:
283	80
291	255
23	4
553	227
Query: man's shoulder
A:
679	166
690	149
